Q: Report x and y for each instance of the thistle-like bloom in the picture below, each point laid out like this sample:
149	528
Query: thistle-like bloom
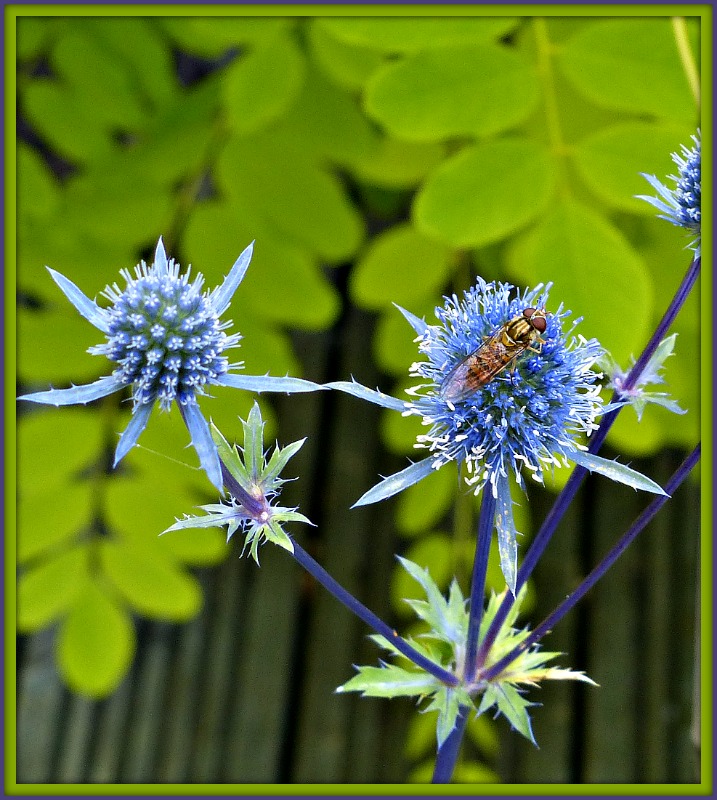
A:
528	416
682	205
522	419
254	484
165	335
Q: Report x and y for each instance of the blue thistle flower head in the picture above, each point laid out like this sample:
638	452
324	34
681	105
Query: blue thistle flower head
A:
165	336
682	205
524	418
507	386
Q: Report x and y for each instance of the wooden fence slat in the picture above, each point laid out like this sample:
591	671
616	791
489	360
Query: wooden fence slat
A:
263	702
148	708
111	734
613	634
76	740
219	668
39	709
557	573
322	750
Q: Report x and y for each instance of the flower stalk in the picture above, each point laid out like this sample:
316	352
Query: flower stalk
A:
610	558
480	568
562	502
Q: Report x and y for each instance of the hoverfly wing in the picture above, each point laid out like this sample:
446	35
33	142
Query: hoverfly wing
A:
461	383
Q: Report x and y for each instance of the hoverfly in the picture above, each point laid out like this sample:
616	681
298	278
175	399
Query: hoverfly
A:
495	354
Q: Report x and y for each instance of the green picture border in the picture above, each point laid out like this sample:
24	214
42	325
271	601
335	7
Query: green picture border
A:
14	11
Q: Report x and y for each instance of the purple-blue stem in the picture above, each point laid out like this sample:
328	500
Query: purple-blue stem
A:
353	605
448	754
573	484
612	556
341	594
480	567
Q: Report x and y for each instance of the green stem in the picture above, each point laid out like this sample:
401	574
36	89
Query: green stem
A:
685	51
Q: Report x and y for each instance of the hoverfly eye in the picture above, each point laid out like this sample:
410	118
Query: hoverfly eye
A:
539	323
528	312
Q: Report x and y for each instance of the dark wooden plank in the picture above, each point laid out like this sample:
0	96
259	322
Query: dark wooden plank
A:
558	572
79	723
148	707
111	735
263	700
324	734
39	710
226	608
184	693
612	725
682	665
655	577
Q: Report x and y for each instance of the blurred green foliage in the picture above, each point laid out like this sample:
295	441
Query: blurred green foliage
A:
508	146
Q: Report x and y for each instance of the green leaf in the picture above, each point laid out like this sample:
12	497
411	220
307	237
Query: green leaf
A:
275	533
348	65
325	123
163	490
513	706
410	34
38	195
52	516
312	209
631	65
485	192
47	590
231	458
54	446
458	90
443	620
54	505
177	139
212	36
33	34
400	265
96	643
261	85
279	274
389	681
432	549
95	73
136	44
610	161
153	586
448	703
583	254
65	121
616	472
254	442
63	333
398	164
105	202
280	458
